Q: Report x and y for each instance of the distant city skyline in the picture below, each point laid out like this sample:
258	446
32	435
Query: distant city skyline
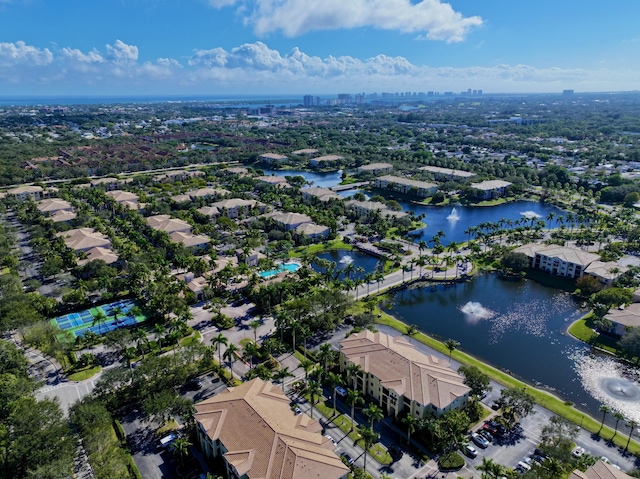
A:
310	47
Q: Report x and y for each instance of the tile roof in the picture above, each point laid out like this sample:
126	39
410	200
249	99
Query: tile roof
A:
565	253
168	224
400	367
264	438
600	470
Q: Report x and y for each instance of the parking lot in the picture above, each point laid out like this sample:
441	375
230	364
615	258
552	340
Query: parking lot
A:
155	462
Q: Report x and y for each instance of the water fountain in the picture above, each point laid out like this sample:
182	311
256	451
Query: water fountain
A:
530	215
611	383
453	216
474	311
346	259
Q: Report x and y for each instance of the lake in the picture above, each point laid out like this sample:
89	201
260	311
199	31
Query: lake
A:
518	326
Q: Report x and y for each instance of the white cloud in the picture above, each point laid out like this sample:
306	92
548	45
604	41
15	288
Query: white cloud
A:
120	52
432	19
254	67
73	54
20	53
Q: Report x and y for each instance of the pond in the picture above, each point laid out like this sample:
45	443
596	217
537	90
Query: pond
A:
454	221
343	259
519	326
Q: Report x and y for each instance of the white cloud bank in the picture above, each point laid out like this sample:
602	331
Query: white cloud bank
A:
431	19
254	68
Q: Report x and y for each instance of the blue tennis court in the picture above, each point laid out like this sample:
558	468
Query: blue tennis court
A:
117	314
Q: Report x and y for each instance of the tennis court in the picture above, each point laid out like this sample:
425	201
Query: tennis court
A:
118	315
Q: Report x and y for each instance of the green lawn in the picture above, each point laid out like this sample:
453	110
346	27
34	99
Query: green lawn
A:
332	245
84	373
583	329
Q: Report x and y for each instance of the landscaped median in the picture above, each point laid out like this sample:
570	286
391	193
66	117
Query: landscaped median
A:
544	399
376	451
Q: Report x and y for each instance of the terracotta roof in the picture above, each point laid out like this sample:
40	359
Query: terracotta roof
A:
291	218
374	166
83	239
53	204
400	180
490	185
264	438
188	239
312	229
565	253
600	470
400	367
105	254
62	215
168	224
121	196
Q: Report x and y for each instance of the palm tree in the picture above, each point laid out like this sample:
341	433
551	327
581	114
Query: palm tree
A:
604	409
307	365
255	324
230	354
218	341
314	391
354	397
352	372
451	344
280	375
326	356
99	319
334	380
619	417
412	330
374	413
369	437
250	351
631	425
181	448
159	330
490	469
411	422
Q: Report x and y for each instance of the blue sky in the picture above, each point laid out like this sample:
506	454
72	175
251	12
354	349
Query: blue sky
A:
238	47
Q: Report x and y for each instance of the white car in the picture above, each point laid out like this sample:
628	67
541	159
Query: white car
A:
578	451
331	439
470	451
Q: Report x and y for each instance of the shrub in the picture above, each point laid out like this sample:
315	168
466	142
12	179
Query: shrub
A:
451	461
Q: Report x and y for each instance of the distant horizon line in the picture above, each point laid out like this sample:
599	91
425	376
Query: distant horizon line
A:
25	100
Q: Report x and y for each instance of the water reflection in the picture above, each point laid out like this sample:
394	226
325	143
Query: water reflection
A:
515	325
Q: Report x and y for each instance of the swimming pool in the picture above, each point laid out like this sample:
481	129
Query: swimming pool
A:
279	269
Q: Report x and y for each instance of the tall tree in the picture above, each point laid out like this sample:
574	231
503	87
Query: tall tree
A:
374	413
369	437
451	345
217	342
354	397
231	354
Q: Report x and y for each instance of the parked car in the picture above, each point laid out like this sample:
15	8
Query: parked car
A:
340	391
470	451
523	467
578	451
347	458
297	410
479	440
331	439
166	441
486	434
490	429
